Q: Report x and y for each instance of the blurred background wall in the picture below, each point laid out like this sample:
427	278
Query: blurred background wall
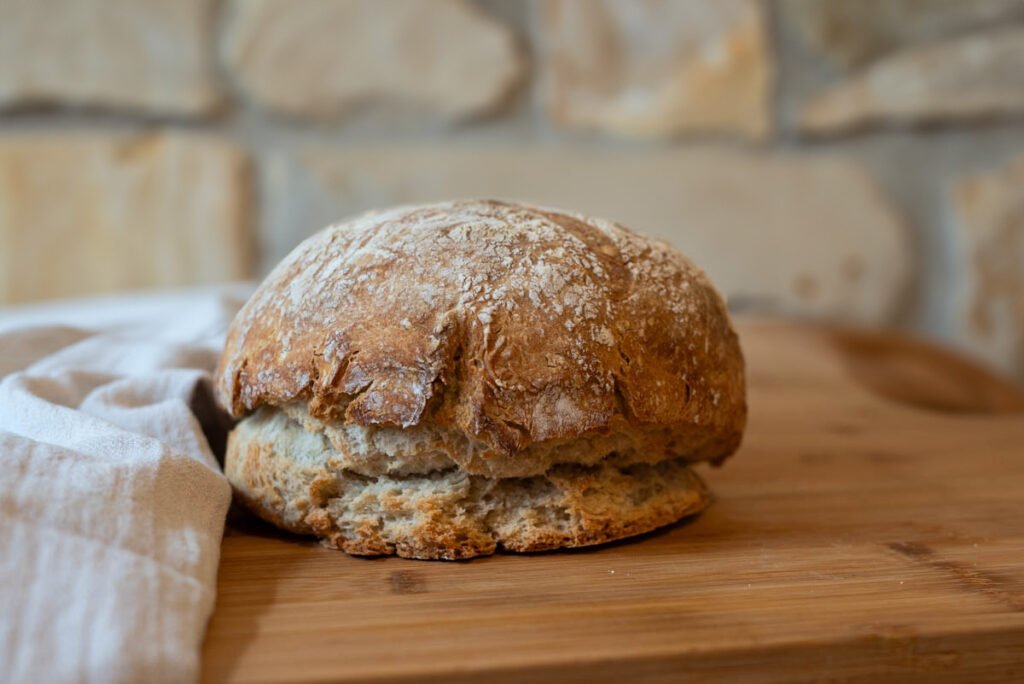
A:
851	160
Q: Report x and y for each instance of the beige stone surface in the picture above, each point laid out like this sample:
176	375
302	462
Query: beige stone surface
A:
321	58
90	213
970	77
654	68
855	32
800	235
153	55
990	211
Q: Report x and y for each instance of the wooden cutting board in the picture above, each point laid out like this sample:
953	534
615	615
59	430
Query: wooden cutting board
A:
871	528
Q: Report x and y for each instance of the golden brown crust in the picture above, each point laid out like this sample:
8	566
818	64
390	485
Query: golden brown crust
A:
511	323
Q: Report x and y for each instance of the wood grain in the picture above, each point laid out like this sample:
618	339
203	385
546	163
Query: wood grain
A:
870	529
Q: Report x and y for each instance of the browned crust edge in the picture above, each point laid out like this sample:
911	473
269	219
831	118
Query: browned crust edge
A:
448	367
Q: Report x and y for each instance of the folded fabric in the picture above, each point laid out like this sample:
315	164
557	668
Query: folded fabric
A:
112	504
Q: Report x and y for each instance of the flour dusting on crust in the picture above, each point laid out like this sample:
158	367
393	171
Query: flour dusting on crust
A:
513	323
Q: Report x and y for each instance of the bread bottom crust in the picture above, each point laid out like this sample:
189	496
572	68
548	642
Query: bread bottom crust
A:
449	514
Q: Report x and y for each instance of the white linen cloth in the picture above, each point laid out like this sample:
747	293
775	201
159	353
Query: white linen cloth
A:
112	504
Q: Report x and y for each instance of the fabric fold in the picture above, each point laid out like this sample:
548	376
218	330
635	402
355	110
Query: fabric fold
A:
112	503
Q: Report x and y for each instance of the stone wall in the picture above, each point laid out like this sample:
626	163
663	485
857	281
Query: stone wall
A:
853	160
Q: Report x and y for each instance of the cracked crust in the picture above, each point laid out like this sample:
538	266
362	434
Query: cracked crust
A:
508	324
287	476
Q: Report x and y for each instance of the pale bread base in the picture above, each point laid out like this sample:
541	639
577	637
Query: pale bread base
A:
286	475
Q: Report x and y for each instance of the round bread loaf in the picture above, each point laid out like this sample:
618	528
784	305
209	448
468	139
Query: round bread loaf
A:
443	380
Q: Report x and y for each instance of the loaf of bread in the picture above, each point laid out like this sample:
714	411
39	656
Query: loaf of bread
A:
442	381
